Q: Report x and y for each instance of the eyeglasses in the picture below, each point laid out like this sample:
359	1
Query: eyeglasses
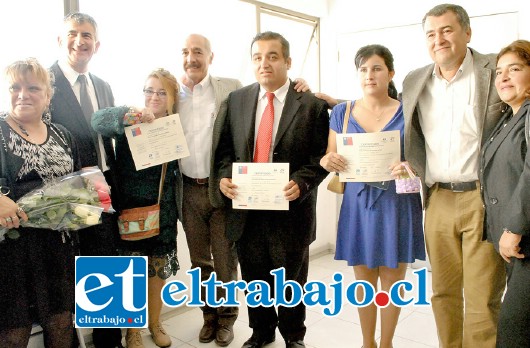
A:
150	93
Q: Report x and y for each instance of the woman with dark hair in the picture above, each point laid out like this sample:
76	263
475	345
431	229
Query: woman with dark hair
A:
505	176
140	188
379	231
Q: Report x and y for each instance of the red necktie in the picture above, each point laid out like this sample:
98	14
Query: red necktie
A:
264	139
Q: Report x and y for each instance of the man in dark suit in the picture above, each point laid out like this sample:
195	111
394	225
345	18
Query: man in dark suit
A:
297	134
450	109
79	42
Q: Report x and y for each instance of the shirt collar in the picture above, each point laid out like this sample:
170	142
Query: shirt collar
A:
280	93
70	74
205	83
467	64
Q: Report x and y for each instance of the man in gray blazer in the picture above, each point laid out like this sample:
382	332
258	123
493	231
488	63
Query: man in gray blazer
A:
450	109
79	42
200	98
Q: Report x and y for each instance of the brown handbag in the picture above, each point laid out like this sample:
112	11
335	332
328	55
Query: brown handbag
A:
335	185
143	222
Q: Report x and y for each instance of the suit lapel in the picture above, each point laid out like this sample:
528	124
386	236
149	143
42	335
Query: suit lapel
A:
218	92
482	82
499	138
65	91
249	104
292	104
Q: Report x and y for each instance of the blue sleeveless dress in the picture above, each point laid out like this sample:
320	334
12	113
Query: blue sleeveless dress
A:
377	227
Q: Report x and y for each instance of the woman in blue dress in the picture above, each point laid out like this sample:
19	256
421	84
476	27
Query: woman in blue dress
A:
139	188
379	231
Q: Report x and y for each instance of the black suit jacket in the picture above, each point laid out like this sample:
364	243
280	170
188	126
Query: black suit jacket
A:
301	141
65	110
505	176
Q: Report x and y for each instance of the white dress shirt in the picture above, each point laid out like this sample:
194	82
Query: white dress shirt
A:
449	121
279	102
197	115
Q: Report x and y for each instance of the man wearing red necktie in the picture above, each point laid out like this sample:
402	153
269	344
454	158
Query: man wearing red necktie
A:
269	121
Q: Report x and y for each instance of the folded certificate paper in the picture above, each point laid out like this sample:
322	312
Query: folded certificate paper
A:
260	186
158	142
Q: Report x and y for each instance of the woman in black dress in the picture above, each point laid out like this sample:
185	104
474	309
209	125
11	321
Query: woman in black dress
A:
36	265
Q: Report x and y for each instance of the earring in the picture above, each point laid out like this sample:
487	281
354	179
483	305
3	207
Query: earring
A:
47	117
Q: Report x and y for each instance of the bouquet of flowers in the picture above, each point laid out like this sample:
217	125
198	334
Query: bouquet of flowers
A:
68	203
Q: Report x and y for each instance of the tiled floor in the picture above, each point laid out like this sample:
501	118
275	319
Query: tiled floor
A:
416	328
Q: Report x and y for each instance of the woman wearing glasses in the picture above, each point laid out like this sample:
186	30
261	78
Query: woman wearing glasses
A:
141	188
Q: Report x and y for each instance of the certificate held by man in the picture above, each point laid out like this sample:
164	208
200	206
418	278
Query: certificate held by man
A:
260	186
369	155
157	142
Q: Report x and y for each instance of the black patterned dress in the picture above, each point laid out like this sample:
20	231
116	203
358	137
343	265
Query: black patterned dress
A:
37	268
139	188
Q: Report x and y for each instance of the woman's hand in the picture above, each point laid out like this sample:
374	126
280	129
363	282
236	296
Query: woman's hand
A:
398	169
509	245
333	162
328	99
147	115
10	213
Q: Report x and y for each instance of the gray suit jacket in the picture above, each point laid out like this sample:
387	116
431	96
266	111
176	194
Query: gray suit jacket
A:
487	106
222	88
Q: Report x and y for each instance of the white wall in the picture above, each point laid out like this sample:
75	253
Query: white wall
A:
397	24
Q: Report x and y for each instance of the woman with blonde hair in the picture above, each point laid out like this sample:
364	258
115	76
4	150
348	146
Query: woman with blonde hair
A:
36	264
140	188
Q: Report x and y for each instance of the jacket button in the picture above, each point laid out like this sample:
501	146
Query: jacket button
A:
494	201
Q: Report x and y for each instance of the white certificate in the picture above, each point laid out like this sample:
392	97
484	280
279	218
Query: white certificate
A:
260	185
369	155
158	142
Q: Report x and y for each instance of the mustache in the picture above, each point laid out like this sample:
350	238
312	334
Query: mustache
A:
192	65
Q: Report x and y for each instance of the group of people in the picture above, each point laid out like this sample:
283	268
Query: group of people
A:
464	131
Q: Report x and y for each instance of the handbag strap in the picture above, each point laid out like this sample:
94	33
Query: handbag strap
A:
407	168
162	179
346	116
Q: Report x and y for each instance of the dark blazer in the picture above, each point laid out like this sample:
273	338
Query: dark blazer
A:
301	141
65	110
487	106
505	177
222	87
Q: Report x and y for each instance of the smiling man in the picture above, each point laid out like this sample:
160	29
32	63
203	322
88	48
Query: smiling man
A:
77	94
269	121
450	109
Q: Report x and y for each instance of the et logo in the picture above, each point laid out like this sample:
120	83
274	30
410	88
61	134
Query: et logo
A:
111	291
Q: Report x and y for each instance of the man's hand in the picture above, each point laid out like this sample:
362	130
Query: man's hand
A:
227	188
509	246
292	191
301	85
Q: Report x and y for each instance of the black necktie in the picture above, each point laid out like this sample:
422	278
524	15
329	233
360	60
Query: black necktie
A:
84	98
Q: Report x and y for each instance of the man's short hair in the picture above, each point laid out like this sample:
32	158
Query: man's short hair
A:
81	18
270	35
439	10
